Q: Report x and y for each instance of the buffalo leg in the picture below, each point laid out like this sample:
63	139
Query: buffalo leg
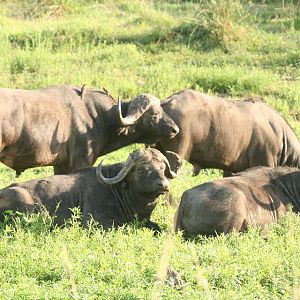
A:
153	226
227	174
196	169
19	172
60	170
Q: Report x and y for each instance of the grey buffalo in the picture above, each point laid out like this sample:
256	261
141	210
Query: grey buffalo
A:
111	195
229	135
68	127
256	197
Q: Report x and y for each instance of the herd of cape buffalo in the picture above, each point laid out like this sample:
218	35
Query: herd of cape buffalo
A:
69	127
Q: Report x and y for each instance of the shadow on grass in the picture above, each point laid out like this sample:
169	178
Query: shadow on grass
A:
55	40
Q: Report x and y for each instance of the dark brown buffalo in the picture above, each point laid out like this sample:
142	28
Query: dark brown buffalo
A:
111	195
229	135
68	127
255	197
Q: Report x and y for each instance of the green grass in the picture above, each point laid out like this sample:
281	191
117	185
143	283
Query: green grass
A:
159	47
37	263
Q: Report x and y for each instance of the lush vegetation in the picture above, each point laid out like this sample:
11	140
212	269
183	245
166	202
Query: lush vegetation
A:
230	48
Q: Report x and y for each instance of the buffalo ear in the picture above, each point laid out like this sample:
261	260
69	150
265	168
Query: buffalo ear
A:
174	160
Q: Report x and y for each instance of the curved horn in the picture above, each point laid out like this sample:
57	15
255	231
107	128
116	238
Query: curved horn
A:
136	108
119	177
173	174
127	121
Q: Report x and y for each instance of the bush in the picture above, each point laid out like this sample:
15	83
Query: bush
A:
219	23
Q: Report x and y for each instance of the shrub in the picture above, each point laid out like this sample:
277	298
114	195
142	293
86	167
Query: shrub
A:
219	23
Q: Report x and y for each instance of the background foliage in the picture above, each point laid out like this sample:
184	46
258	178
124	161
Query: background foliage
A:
229	48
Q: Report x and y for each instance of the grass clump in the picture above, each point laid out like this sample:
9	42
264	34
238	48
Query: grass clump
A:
125	263
219	24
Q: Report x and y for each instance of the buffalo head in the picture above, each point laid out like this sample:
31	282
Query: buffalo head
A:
152	123
147	171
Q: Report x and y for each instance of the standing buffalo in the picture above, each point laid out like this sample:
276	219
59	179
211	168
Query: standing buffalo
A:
68	127
229	135
111	195
255	197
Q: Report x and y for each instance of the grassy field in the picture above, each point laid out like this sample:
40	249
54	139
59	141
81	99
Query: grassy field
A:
229	48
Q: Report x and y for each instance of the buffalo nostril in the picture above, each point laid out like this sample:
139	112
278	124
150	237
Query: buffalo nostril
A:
175	130
163	184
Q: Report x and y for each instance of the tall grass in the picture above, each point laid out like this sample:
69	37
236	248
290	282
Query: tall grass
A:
123	264
219	23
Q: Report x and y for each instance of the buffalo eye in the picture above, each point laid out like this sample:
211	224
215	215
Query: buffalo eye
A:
143	171
155	116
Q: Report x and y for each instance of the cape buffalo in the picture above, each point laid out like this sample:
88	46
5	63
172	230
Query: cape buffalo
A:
111	195
255	197
68	127
229	135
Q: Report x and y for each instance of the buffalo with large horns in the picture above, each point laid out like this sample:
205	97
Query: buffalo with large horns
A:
111	195
256	197
69	127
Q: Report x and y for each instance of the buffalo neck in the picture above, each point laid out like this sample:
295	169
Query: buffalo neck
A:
117	136
131	204
144	204
99	108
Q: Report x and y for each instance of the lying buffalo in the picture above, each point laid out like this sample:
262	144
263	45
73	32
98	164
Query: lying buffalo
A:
68	127
255	197
229	135
111	195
